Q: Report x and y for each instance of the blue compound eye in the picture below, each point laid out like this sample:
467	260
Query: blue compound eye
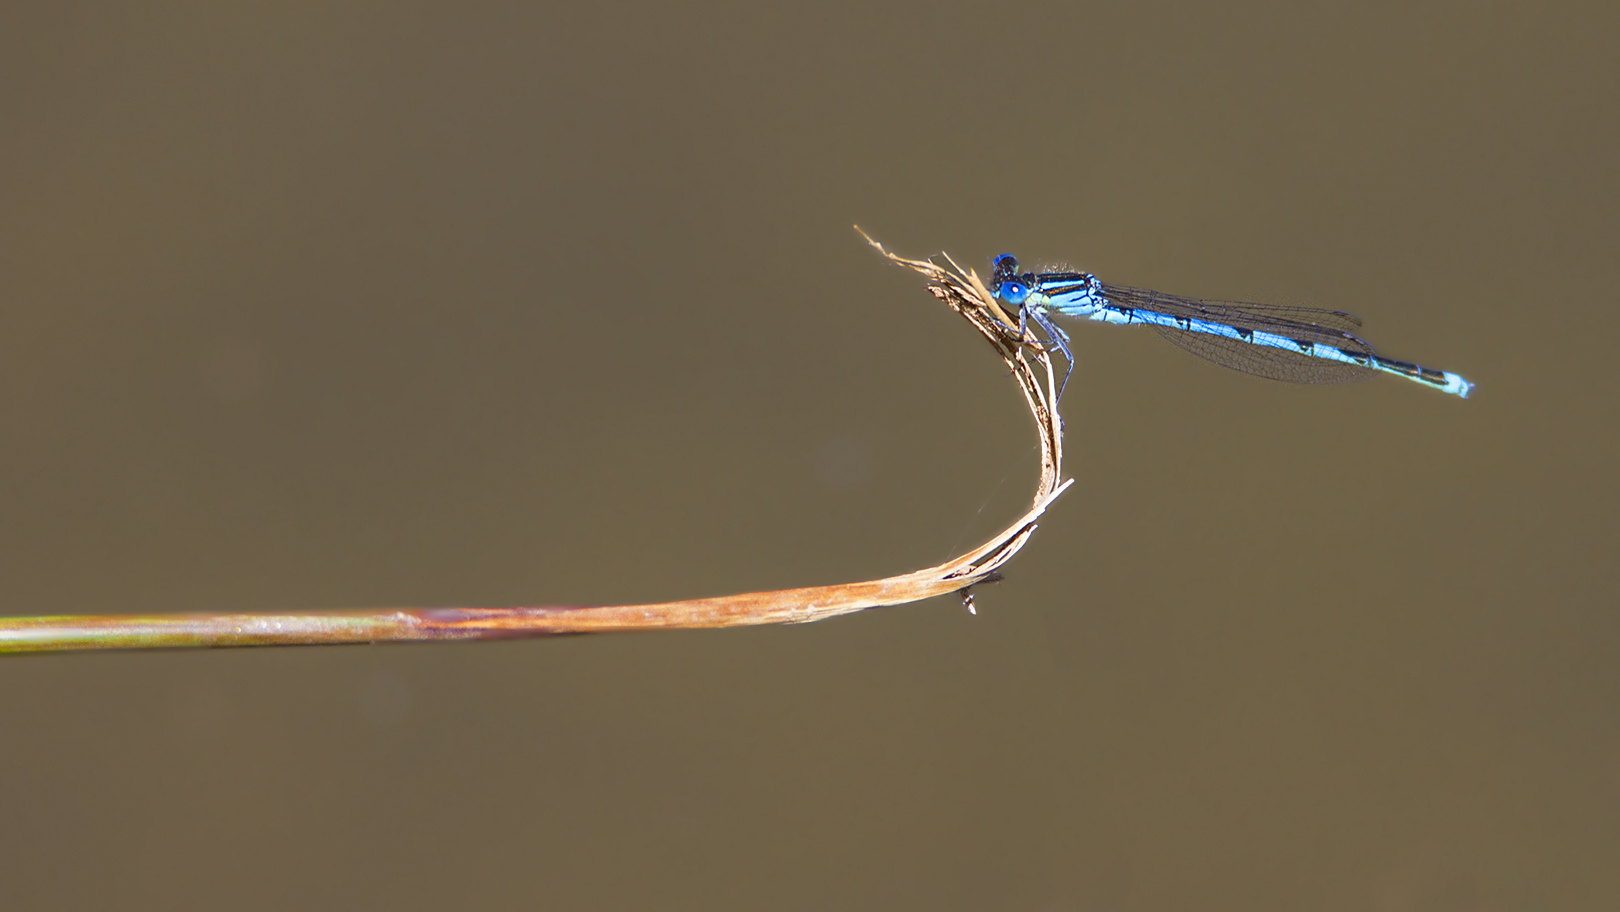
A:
1013	292
1005	268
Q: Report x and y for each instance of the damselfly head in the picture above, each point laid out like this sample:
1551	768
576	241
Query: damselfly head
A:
1007	284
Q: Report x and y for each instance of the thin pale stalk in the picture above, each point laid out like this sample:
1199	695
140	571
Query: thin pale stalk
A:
962	290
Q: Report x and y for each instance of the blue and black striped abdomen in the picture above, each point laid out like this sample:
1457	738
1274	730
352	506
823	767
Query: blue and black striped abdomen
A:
1297	344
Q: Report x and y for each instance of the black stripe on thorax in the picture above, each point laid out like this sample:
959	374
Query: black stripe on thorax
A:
1054	290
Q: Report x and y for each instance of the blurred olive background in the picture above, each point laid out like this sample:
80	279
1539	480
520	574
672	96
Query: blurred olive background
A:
311	306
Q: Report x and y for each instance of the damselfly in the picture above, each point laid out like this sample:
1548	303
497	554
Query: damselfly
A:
1298	344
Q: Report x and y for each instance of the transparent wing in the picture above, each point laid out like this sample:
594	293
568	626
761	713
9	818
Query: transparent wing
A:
1264	361
1307	324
